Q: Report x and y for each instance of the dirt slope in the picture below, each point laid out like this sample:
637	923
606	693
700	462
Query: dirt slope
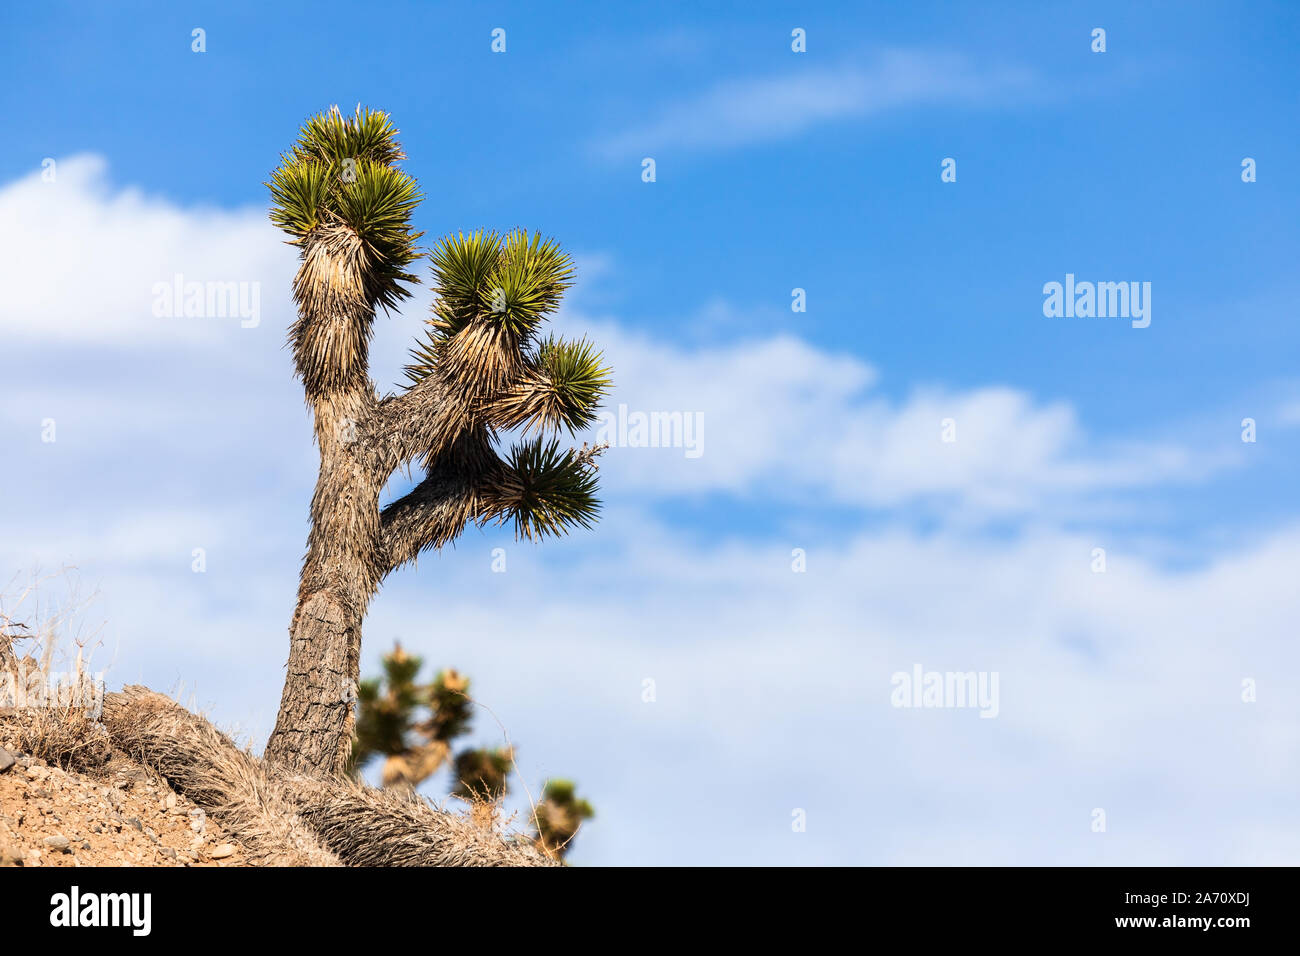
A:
121	815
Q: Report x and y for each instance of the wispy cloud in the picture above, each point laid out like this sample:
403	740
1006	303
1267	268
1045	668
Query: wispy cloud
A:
779	418
757	110
87	259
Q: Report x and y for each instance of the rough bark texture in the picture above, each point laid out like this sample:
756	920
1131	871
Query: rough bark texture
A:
313	729
289	819
331	344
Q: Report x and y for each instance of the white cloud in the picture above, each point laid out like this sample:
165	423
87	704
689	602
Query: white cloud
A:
81	260
739	112
781	419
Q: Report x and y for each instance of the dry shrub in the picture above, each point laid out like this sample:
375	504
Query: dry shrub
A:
63	736
49	698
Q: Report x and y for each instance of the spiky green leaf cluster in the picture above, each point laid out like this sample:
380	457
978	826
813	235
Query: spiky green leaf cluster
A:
561	387
461	265
545	491
483	774
492	294
341	173
330	137
578	381
529	280
512	281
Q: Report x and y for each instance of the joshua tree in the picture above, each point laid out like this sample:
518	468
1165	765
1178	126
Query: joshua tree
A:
390	721
413	727
482	367
558	817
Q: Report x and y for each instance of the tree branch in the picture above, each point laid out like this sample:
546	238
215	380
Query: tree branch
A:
472	484
437	510
418	423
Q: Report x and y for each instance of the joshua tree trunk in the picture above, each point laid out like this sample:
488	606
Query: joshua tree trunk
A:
352	547
314	728
341	196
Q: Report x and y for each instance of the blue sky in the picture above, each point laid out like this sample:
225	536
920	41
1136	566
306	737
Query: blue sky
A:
775	170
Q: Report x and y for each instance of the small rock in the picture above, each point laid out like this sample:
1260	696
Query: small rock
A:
85	844
135	822
57	842
167	852
223	851
6	760
170	801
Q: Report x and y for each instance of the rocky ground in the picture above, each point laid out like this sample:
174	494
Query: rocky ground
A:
120	814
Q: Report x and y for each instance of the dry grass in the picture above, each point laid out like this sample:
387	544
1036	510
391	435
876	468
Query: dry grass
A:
49	700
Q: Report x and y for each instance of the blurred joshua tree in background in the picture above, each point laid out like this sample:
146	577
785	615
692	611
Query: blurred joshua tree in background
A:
413	726
482	367
559	815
